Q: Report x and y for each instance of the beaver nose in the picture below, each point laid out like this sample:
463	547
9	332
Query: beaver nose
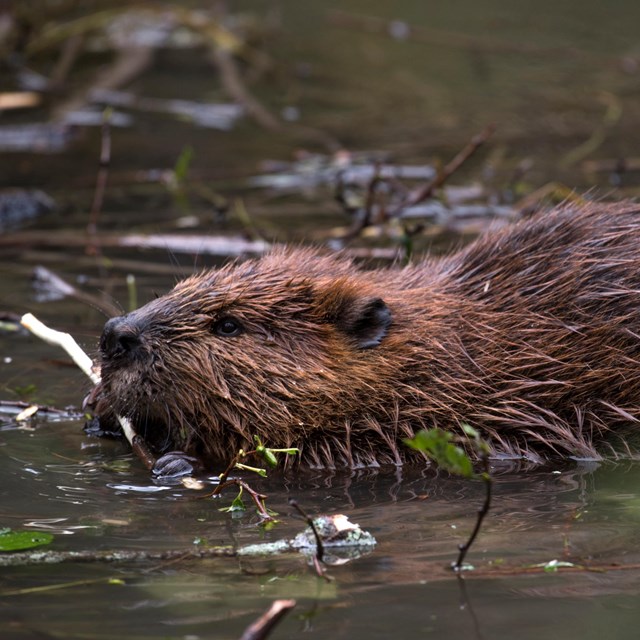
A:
119	337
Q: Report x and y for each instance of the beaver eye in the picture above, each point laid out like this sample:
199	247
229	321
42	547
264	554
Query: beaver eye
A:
227	328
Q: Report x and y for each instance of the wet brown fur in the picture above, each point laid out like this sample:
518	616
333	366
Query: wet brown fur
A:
531	333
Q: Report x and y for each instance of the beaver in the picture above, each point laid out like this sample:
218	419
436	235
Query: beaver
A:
531	334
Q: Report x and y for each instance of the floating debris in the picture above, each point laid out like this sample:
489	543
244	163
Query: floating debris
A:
93	117
37	137
345	540
442	214
11	410
342	168
19	100
211	115
211	245
18	206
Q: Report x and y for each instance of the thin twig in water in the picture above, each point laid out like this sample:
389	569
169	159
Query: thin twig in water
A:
482	512
71	50
317	559
364	220
258	498
309	521
447	171
416	196
224	481
101	180
263	626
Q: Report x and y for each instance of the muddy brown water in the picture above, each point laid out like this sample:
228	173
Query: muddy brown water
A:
546	73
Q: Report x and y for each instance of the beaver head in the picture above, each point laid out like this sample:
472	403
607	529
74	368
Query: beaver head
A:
283	348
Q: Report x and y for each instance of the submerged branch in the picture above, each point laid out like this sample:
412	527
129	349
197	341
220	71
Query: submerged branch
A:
120	556
263	626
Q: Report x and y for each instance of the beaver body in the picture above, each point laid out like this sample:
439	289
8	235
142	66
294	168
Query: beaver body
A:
530	334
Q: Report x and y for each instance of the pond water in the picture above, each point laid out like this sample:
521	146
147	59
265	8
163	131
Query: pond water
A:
560	80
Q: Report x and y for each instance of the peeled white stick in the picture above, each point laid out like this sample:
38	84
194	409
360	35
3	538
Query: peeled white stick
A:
127	428
66	341
61	339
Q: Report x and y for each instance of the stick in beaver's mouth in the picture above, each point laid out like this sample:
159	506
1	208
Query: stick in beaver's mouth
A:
67	342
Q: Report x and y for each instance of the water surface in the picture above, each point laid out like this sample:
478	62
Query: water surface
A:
546	74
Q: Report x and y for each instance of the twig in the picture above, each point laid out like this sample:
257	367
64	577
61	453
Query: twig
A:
482	512
446	172
67	342
366	212
101	180
127	66
263	626
204	245
309	521
138	444
317	558
611	117
419	195
222	478
258	498
61	339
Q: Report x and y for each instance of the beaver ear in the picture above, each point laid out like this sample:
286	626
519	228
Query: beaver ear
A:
365	320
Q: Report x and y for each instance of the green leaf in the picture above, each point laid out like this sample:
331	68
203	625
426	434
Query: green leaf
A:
437	444
268	525
21	540
236	505
268	456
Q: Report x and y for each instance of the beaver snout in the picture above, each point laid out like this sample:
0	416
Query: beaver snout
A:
121	337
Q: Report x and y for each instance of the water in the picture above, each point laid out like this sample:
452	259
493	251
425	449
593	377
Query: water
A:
58	481
546	74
